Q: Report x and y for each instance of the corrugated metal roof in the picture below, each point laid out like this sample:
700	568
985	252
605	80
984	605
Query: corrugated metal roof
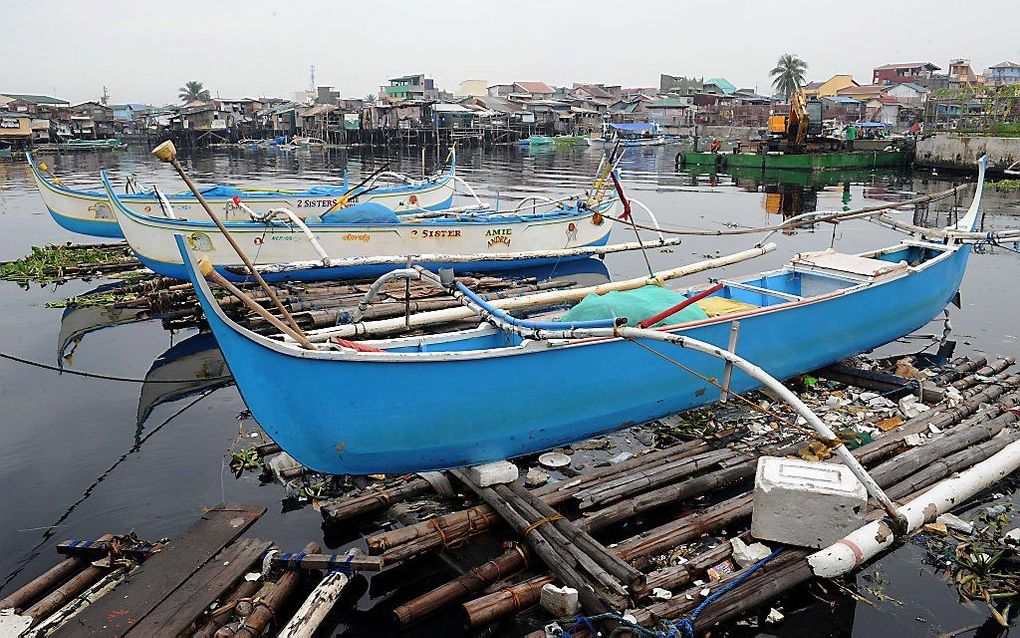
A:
535	87
36	99
908	65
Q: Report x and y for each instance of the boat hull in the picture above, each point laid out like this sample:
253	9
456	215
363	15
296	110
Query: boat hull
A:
379	414
89	212
152	240
804	161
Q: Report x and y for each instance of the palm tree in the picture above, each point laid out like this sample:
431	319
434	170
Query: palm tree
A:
788	74
192	91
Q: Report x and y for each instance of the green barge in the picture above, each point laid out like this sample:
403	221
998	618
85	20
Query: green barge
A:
798	161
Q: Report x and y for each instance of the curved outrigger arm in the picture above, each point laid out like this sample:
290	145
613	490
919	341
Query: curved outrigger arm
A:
613	328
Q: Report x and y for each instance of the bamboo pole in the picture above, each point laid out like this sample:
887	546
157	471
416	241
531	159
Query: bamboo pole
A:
209	272
265	611
219	616
510	562
577	537
166	152
487	609
372	500
539	300
431	534
559	563
605	584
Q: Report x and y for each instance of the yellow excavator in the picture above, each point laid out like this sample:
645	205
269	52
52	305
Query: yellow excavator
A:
790	132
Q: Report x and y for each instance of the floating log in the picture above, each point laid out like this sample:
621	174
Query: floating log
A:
269	605
373	499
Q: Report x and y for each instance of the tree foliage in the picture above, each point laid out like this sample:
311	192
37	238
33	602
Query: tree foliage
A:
192	91
788	74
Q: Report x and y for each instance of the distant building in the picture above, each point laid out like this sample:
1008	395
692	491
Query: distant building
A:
961	71
916	72
15	130
671	111
1005	73
473	88
908	93
535	90
409	87
719	86
865	92
830	87
31	104
126	112
679	85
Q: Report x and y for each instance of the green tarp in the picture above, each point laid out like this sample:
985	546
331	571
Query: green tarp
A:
636	305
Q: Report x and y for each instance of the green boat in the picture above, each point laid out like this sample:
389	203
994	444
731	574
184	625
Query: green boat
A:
536	140
798	161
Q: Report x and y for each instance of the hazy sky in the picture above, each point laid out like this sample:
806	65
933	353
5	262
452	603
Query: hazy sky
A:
143	51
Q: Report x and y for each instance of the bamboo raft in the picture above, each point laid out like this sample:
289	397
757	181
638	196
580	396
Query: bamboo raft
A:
656	519
610	532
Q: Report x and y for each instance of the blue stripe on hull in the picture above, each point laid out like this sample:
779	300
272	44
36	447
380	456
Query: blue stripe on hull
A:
98	228
365	416
178	271
95	228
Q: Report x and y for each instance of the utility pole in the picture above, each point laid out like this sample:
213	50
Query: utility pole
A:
106	97
311	74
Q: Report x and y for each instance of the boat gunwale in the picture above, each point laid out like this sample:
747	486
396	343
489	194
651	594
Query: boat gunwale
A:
533	346
534	219
433	183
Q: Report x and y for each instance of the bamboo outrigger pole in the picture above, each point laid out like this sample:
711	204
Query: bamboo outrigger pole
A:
167	152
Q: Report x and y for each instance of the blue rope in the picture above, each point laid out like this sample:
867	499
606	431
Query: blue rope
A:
992	240
683	628
686	625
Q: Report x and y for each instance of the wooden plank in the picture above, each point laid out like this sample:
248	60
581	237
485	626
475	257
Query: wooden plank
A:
175	614
118	611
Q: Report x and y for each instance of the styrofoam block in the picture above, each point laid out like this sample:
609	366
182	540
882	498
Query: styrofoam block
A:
561	602
804	503
493	473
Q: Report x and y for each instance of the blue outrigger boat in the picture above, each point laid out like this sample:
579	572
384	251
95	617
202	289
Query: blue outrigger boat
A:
513	386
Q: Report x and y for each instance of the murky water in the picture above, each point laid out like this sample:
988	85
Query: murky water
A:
81	457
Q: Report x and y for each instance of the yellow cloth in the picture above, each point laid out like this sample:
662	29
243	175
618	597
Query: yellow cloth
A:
715	306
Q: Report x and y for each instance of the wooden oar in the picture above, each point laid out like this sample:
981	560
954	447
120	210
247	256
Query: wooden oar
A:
167	152
206	268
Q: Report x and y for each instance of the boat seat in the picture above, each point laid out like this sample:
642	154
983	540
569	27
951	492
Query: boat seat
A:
716	306
842	264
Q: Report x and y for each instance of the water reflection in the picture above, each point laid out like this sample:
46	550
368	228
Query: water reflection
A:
78	321
190	367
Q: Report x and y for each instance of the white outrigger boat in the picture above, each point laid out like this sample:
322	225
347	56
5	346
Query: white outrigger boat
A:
88	211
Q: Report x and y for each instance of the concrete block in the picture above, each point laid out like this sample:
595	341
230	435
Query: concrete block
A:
493	473
804	503
561	602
